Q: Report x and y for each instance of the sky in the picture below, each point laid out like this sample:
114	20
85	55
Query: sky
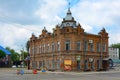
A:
20	18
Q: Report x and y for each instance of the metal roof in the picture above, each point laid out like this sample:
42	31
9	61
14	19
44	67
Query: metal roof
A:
5	50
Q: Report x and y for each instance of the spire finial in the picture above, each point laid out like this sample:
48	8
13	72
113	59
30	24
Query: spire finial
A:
44	28
69	5
68	12
33	33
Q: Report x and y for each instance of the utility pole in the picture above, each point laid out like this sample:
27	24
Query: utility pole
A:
22	56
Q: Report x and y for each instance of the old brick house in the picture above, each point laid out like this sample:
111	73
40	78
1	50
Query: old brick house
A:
69	47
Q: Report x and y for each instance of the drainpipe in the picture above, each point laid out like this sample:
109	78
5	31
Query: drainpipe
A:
34	65
101	53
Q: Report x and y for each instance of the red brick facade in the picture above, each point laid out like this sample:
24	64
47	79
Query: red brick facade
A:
69	46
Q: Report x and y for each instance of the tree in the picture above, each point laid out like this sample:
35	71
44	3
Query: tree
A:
115	45
24	54
2	54
27	46
14	55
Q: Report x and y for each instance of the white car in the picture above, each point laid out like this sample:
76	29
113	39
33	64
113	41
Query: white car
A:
14	66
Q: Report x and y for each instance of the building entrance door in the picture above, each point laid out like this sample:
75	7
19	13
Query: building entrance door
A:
98	64
105	64
78	65
85	65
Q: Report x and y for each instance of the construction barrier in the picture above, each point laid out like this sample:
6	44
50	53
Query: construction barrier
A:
34	71
20	72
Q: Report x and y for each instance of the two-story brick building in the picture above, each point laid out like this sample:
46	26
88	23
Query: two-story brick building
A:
69	47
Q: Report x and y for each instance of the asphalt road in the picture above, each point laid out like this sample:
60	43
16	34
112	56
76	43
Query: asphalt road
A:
11	75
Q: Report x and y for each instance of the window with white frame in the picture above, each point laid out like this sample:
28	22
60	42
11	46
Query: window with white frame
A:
104	47
52	47
40	49
37	49
44	48
92	47
85	45
32	50
98	47
67	43
78	45
58	46
48	47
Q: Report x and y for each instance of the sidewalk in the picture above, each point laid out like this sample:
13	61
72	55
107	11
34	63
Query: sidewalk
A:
14	70
74	73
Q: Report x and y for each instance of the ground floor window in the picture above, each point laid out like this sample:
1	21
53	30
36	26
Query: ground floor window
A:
85	64
58	64
40	64
92	65
53	64
47	64
34	64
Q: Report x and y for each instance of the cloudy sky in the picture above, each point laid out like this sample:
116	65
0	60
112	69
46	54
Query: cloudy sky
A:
20	18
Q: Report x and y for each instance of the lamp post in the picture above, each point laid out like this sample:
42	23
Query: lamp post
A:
22	56
53	61
28	61
84	51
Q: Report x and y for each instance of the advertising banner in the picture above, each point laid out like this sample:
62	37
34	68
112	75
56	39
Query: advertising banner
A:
67	65
67	62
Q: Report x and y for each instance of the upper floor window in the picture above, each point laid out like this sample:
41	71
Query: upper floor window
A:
92	47
32	50
37	49
40	49
78	45
48	47
98	47
67	43
104	47
44	48
85	45
52	47
58	46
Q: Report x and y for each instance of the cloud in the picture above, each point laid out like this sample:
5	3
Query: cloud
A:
16	35
114	38
21	12
19	19
96	14
49	11
101	12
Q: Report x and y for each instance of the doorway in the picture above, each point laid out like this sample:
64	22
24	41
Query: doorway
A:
78	65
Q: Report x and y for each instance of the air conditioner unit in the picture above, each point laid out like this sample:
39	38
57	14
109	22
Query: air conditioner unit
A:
90	41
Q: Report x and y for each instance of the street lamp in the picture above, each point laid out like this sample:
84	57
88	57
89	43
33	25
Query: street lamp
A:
28	61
